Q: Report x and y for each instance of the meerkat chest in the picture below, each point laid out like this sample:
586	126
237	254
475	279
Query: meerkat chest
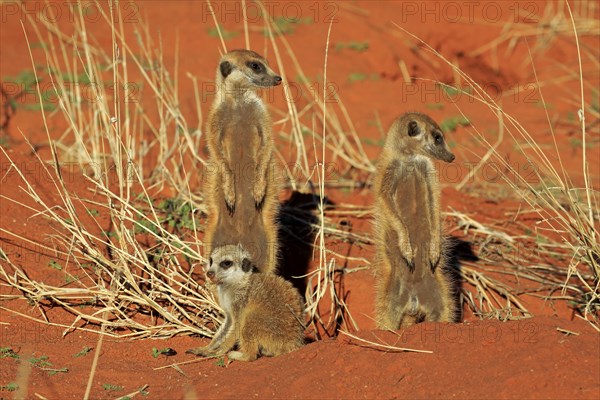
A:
225	299
243	130
244	114
232	299
412	191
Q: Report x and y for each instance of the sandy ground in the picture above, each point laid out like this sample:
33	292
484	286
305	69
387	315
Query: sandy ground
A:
552	355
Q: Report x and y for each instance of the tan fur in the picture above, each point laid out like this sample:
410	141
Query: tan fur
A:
263	312
242	182
410	261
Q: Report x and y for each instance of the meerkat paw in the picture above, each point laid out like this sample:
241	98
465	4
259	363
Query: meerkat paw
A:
434	258
229	192
230	200
239	356
259	194
408	255
201	351
435	249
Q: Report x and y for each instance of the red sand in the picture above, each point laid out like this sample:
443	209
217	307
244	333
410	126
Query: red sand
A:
474	359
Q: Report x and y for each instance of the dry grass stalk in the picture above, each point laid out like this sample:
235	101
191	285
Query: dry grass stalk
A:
125	276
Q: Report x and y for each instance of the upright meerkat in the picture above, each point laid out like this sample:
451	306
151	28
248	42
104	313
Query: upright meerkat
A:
242	181
263	312
412	282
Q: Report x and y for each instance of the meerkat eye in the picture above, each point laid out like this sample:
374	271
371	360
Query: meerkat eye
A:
438	138
226	264
255	66
210	261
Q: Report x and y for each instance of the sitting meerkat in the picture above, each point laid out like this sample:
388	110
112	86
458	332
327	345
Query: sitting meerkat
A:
413	284
263	312
242	185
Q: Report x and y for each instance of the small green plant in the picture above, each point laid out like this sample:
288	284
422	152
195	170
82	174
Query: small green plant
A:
112	388
26	83
543	105
143	225
10	387
452	91
45	105
450	124
302	79
355	46
26	80
93	212
83	352
54	265
220	362
39	45
179	214
214	32
8	352
40	362
111	234
286	26
595	103
434	106
56	371
167	351
371	142
359	76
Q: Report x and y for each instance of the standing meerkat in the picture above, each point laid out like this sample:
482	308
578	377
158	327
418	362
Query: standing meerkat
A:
242	181
263	312
410	261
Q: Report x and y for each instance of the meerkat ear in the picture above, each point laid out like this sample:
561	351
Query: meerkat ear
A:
413	128
247	266
225	68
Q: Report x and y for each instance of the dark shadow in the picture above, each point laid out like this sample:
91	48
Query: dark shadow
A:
458	250
296	236
21	252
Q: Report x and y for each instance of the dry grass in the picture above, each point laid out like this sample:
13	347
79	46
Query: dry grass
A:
139	281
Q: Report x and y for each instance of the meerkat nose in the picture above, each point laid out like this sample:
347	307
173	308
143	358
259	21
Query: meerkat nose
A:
277	80
210	274
452	157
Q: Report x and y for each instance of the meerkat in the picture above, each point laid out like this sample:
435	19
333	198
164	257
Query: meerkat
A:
410	258
263	312
242	182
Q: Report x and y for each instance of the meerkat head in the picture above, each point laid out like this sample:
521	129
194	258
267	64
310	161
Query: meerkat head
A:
418	134
245	69
230	265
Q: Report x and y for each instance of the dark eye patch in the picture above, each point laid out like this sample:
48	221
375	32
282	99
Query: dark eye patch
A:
256	66
438	138
226	264
413	128
226	68
210	261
